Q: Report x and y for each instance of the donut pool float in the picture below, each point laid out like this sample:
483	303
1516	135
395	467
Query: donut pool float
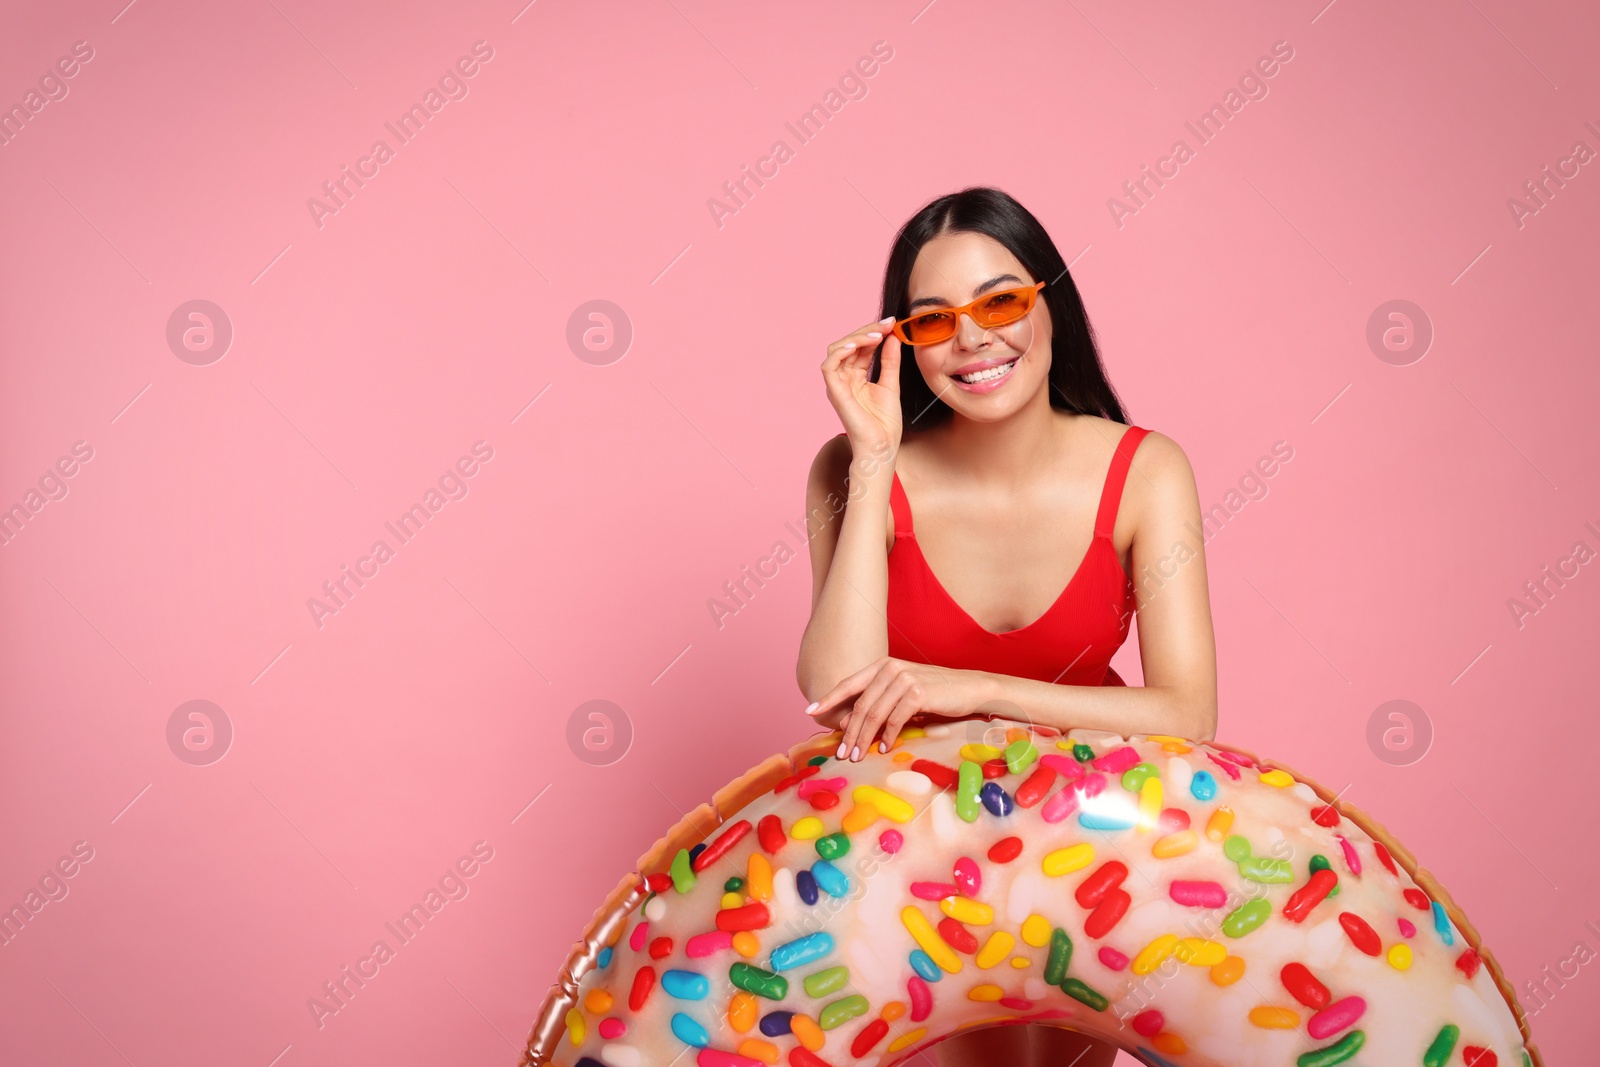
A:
1187	902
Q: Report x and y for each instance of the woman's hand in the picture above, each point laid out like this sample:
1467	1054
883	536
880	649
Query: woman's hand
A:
890	692
870	411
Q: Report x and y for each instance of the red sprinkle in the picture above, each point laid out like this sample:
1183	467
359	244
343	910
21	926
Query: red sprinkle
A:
798	776
1308	896
1417	899
1005	850
1325	815
749	917
869	1036
1233	770
937	773
824	799
660	948
1473	1056
1016	1003
800	1056
1173	820
1304	987
934	890
1148	1023
636	940
644	980
719	848
1033	790
1467	962
995	768
1361	935
957	936
658	883
1106	877
1384	857
770	832
1112	958
1236	757
1107	913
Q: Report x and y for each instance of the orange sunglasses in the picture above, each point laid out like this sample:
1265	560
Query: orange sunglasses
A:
989	310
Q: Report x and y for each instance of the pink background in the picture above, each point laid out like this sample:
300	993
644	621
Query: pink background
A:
369	353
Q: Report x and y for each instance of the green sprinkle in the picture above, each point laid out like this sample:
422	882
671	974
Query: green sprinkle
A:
968	781
682	875
761	983
826	981
1055	964
733	885
1266	870
1082	752
1320	862
1020	755
816	761
1246	917
1134	777
1236	848
1338	1052
1075	989
842	1011
1438	1053
832	846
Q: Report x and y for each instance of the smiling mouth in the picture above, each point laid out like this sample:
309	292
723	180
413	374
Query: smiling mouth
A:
988	374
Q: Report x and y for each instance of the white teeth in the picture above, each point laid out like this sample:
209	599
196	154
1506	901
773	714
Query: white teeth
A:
987	375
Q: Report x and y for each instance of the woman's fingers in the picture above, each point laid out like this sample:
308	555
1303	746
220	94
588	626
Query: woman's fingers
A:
902	713
854	739
846	687
889	365
874	712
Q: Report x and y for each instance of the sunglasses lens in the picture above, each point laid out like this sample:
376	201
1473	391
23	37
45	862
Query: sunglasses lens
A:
997	309
931	327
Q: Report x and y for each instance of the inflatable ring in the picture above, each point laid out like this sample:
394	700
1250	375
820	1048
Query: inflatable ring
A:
1183	901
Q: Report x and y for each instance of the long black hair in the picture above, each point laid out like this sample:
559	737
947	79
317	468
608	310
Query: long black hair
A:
1077	378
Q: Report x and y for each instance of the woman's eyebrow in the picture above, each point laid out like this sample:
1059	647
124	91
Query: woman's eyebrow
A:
936	301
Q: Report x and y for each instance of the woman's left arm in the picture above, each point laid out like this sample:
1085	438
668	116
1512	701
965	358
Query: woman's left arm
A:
1177	646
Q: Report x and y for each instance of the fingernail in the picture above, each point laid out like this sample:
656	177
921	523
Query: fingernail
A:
883	746
811	708
855	753
887	318
874	333
839	754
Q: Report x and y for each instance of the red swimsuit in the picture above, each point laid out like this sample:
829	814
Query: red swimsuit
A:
1071	643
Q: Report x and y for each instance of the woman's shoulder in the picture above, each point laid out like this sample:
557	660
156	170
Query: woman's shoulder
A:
1160	478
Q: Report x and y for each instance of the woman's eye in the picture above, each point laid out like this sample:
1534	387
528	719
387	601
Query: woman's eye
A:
933	318
1000	300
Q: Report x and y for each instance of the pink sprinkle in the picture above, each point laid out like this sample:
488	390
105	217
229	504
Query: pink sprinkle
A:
1112	958
1066	766
968	877
1408	928
1351	860
1094	784
612	1028
711	1057
703	945
1173	819
1016	1003
1148	1023
1233	772
921	998
890	840
812	785
1199	894
1060	806
1234	757
636	940
1117	760
934	890
1335	1017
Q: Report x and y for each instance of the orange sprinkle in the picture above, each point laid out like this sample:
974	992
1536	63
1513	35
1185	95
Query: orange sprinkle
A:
892	1011
598	1001
809	1033
757	1049
1228	971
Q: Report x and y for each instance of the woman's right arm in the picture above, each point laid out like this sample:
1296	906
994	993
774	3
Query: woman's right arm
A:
847	496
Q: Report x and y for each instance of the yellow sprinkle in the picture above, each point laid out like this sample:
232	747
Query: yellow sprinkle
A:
1200	953
746	944
598	1001
1150	957
914	731
985	992
1177	748
575	1025
995	949
1170	1043
809	1033
1019	962
1069	859
1163	738
892	1011
806	829
742	1010
757	1049
1219	824
732	900
1175	844
859	818
923	933
1064	745
889	805
1277	778
963	910
1036	931
758	877
1270	1018
978	752
1228	971
1149	804
1400	956
902	757
907	1039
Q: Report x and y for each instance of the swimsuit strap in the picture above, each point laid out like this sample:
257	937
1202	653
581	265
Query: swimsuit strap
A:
901	508
1111	496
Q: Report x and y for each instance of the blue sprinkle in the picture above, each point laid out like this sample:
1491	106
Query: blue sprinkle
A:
923	964
685	985
688	1031
776	1023
802	951
604	958
1441	923
806	885
997	800
830	878
694	853
1106	820
1202	785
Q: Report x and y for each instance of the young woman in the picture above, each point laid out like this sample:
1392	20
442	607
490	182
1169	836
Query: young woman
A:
1033	504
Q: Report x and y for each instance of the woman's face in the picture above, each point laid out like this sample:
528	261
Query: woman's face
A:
951	270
